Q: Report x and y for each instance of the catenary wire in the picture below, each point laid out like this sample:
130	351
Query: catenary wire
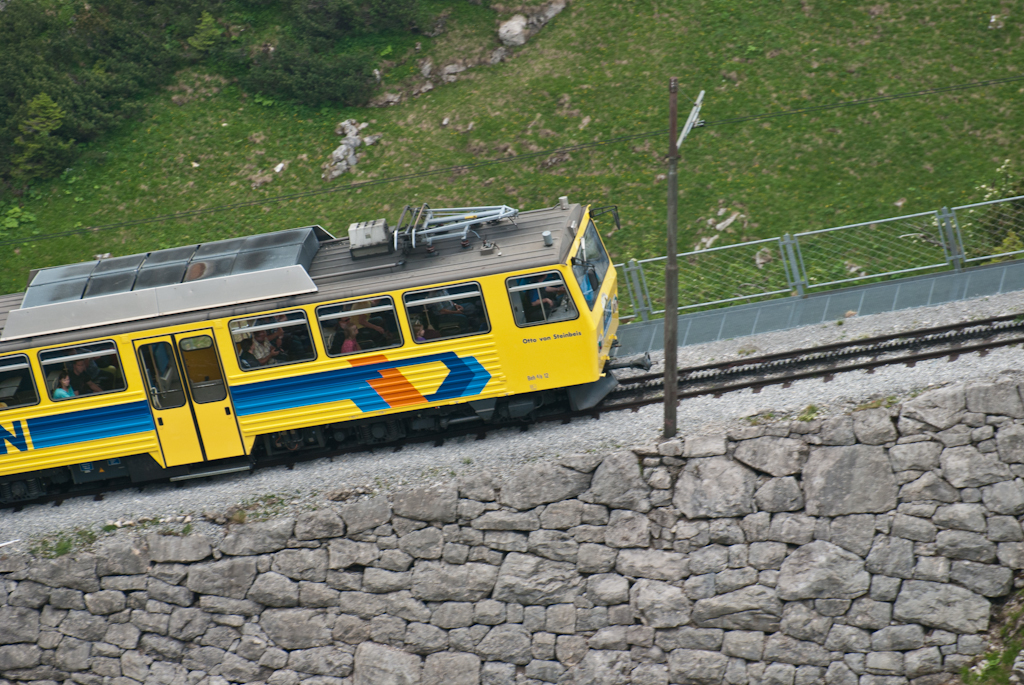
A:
504	160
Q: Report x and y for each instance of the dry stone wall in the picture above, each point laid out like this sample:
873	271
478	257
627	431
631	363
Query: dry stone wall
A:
860	550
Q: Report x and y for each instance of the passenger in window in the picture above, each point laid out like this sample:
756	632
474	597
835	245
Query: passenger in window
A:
263	349
349	337
246	359
372	331
85	377
449	313
62	387
418	331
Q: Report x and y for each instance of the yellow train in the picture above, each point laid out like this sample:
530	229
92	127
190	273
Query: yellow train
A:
198	360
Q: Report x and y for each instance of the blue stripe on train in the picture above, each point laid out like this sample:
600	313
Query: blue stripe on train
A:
90	424
466	377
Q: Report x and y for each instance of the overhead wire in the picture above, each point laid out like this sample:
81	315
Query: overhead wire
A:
504	160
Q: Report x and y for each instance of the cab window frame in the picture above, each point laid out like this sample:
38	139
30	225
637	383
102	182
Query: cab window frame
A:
514	289
351	313
448	297
47	358
581	264
269	324
26	364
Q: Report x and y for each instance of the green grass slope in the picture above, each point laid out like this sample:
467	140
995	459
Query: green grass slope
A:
598	71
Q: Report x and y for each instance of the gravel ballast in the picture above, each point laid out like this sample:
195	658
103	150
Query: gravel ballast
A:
502	450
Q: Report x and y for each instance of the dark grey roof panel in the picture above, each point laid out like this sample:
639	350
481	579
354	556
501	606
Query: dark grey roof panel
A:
67	272
209	268
161	274
219	248
54	292
174	254
264	241
127	263
107	284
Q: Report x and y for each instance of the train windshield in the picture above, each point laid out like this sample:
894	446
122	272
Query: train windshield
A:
17	389
590	265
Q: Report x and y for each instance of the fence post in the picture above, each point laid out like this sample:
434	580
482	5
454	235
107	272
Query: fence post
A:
641	308
954	250
796	278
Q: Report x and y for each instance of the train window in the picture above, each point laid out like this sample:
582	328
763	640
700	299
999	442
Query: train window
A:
17	389
359	326
451	312
161	374
90	369
202	366
590	264
540	298
272	340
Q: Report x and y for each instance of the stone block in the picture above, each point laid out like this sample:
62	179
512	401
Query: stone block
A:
874	427
915	456
230	578
891	556
822	570
527	580
751	608
377	664
594	558
775	456
698	667
538	484
715	487
793	529
509	643
848	480
318	525
779	494
938	605
258	538
451	668
942	408
803	623
928	487
297	628
659	604
1006	498
617	483
984	579
1001	399
437	581
961	544
437	503
966	467
704	446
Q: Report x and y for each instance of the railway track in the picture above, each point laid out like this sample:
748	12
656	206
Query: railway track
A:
636	391
824	361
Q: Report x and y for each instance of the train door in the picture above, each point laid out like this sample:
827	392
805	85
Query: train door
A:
192	410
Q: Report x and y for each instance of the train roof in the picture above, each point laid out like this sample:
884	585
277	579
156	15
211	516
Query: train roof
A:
257	273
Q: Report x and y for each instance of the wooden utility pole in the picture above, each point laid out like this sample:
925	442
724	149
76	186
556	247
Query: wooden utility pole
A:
672	270
672	266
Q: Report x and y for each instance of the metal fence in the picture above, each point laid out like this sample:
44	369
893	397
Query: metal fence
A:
798	263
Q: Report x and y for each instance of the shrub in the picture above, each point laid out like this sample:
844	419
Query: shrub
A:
295	71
